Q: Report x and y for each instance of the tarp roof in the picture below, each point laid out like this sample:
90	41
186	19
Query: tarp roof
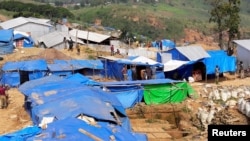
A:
73	103
30	65
139	60
61	65
173	64
6	35
193	53
91	36
243	43
22	20
29	85
71	129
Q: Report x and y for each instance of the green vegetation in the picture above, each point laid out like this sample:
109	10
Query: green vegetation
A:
147	20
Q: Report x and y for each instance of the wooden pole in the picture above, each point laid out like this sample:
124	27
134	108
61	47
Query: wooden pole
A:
95	138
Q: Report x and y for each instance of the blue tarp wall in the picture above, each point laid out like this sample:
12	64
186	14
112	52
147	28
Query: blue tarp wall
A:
112	69
219	57
6	41
11	71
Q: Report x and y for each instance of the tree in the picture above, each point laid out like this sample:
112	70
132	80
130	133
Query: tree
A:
234	20
225	13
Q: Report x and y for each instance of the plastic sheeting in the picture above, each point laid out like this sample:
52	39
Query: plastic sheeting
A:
127	95
21	135
73	103
166	93
219	57
6	41
173	64
70	130
11	78
31	65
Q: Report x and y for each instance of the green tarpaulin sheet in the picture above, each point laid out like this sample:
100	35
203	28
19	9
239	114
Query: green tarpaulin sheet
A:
166	93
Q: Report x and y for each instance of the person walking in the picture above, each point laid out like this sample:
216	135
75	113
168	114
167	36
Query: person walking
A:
217	74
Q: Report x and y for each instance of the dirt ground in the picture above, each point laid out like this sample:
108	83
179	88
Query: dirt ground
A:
160	122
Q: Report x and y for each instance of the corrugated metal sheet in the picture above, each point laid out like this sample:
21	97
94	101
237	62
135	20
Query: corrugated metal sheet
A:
243	43
52	39
55	38
91	36
22	20
193	53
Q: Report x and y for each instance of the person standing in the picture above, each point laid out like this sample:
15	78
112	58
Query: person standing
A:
134	75
3	97
241	70
70	44
217	74
149	72
125	73
112	50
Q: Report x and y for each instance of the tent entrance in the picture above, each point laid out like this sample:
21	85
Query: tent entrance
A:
199	71
24	76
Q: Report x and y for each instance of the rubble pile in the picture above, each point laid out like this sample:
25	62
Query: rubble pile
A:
218	100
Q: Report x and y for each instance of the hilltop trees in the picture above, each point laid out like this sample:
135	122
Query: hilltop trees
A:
225	13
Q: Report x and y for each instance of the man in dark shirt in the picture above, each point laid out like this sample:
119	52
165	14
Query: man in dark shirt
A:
3	97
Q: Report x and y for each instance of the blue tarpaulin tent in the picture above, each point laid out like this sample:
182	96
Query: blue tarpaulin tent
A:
112	68
14	73
6	41
27	40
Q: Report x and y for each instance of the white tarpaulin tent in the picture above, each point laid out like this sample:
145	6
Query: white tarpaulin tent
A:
173	64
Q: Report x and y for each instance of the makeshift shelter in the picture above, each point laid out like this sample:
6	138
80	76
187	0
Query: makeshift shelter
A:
23	39
76	99
154	91
243	51
195	67
34	26
113	67
6	41
16	73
